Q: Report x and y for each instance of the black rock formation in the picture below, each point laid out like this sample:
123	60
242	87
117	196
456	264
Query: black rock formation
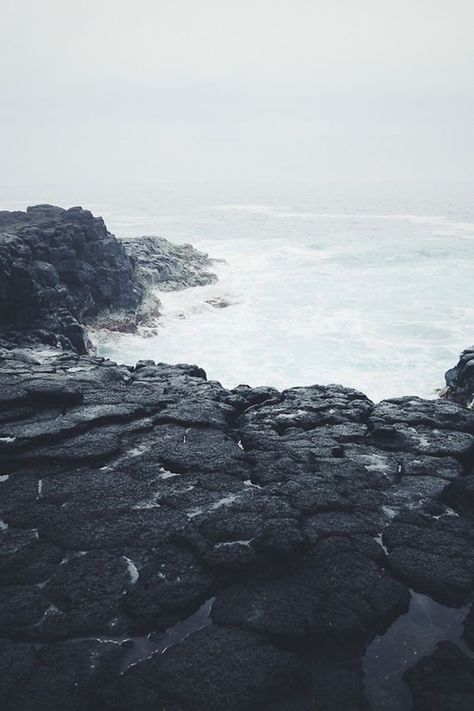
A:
460	380
58	269
444	681
61	270
170	544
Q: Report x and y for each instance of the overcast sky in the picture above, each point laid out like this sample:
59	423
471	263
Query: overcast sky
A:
244	90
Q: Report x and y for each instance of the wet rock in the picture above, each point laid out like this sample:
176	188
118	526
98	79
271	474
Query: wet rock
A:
17	664
416	412
171	584
62	269
213	669
24	559
132	497
188	449
66	675
331	595
434	555
444	681
308	408
58	268
460	495
460	379
75	528
21	608
34	432
87	592
468	634
337	683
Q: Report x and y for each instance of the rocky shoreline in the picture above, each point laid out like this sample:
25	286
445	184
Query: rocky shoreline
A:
168	544
62	271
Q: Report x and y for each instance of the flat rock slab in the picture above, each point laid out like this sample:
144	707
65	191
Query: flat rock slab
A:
139	504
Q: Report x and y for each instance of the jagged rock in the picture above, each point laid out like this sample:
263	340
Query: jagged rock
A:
59	268
169	266
62	270
460	380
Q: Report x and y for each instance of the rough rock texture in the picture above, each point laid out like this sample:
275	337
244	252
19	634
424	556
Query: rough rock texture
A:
444	681
170	266
261	538
460	379
61	270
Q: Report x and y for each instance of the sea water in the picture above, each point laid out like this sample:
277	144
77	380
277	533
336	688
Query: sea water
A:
367	285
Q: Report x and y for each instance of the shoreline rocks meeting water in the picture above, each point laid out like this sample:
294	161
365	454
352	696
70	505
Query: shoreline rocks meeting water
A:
169	544
62	271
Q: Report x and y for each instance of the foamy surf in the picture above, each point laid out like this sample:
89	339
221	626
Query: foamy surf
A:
368	300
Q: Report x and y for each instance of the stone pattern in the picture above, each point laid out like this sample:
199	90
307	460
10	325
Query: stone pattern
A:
134	498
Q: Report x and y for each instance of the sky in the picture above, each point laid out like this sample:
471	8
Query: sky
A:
255	90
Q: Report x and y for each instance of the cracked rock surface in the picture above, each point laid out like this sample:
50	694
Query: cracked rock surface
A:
167	544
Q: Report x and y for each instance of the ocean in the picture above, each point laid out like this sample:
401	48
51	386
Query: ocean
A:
366	285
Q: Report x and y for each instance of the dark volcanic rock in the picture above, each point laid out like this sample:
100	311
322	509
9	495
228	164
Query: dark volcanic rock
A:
468	634
434	555
444	681
337	593
134	498
460	379
460	495
56	677
215	669
59	268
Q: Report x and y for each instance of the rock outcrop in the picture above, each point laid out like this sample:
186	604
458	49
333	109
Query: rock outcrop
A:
168	544
59	269
62	270
170	266
460	380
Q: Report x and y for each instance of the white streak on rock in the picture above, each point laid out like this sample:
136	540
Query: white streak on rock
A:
378	539
132	570
165	474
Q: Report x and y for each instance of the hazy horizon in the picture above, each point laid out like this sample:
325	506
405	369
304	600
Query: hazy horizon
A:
255	92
